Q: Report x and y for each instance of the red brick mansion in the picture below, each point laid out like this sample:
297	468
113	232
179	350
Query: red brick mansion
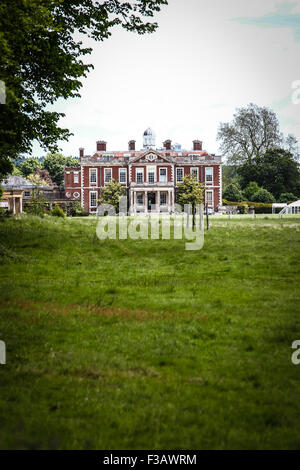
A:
150	175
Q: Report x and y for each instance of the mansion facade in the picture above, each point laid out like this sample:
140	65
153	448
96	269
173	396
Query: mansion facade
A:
150	175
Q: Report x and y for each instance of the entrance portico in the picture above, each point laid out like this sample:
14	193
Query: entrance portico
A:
151	200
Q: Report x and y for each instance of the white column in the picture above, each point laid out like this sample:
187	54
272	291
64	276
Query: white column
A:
158	201
131	201
14	205
134	202
172	200
146	201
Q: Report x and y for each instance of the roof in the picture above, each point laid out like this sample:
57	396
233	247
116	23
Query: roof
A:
294	204
16	182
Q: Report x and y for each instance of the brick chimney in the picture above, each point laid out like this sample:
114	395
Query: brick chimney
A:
168	144
101	146
131	145
81	152
197	144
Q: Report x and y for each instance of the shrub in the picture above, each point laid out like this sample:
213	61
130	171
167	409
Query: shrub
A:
263	196
57	211
243	208
250	190
77	210
287	197
233	193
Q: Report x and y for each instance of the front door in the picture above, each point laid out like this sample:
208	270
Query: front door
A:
151	201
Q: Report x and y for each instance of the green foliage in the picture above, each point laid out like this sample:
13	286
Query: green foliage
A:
111	194
55	164
233	193
29	166
250	190
287	197
77	210
38	203
190	191
276	171
252	132
243	208
56	211
263	196
42	60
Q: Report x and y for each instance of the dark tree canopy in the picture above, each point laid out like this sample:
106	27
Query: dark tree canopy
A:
253	131
41	60
276	170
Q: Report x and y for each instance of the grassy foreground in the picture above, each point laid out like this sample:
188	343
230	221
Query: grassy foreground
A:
141	344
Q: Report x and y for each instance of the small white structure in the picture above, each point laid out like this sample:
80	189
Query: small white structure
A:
278	205
293	208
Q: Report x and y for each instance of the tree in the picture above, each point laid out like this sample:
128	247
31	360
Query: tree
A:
38	203
44	175
42	60
233	193
276	170
253	131
55	164
287	197
263	196
111	194
251	189
29	166
190	191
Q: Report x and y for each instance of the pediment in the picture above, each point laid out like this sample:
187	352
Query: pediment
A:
151	156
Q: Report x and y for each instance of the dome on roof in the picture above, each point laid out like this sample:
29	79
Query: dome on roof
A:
149	131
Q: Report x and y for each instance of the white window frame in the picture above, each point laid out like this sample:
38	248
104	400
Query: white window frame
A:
93	192
151	169
212	197
212	175
179	168
163	203
195	169
139	171
105	171
76	177
92	170
166	176
123	170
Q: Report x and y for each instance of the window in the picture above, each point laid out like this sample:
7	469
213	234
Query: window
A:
26	193
163	199
93	199
76	194
107	175
209	175
179	175
76	177
122	175
163	175
93	175
139	175
209	198
151	174
194	173
139	199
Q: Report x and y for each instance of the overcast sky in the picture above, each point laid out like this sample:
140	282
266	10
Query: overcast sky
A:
206	59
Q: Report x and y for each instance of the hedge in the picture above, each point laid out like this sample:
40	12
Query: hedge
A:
259	207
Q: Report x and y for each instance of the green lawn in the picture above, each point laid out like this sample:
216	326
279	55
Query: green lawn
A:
141	344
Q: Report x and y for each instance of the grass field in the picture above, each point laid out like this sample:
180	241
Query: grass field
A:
143	345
